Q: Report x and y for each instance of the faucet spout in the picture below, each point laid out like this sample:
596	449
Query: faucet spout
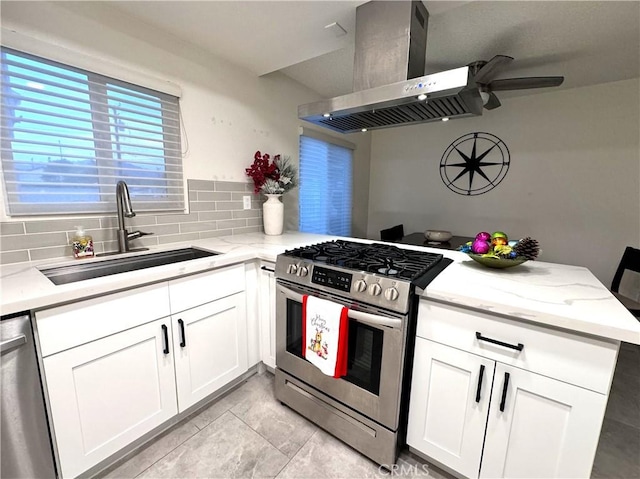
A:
123	203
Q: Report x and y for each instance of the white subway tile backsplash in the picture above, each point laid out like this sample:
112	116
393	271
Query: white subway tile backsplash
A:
215	209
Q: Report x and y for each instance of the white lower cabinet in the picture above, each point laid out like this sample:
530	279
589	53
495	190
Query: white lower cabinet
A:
113	371
481	407
543	428
449	404
210	347
268	313
105	394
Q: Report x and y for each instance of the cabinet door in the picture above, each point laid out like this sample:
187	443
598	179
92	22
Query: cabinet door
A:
107	393
210	345
545	428
450	393
268	314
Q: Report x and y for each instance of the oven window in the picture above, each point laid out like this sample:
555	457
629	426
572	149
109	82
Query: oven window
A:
364	354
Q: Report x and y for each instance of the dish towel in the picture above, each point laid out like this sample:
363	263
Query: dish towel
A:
325	330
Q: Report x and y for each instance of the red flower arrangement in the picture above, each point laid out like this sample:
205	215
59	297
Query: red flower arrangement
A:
272	177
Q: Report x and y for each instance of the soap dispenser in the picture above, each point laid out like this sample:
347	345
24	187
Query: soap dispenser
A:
82	244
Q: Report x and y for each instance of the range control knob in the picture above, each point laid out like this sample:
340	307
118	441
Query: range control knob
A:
360	286
375	289
391	294
292	269
303	271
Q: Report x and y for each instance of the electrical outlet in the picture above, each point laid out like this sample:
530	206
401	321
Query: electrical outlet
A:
246	202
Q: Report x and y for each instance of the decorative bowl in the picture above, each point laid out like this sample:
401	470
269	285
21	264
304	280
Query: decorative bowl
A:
500	263
437	235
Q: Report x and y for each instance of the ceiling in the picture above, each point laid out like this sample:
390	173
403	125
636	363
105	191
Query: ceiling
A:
589	42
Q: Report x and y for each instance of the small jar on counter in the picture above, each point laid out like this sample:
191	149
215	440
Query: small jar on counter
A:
82	244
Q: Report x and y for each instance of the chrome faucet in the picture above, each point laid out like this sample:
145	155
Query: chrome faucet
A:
123	202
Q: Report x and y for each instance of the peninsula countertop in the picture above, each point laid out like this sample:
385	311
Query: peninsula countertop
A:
556	295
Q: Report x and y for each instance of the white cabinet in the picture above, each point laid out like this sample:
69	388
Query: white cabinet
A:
268	313
449	404
105	394
210	347
537	414
543	428
118	366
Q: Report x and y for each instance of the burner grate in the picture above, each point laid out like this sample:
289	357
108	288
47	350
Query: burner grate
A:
376	258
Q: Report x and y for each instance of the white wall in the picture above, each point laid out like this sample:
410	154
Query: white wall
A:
573	184
228	112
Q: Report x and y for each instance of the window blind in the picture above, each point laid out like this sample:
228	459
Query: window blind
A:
69	135
325	187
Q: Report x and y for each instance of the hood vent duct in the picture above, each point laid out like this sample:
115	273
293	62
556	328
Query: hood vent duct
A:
389	63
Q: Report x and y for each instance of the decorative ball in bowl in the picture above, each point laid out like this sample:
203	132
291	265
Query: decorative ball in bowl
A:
496	251
438	235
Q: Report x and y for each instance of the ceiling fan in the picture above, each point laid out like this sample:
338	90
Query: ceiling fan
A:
483	73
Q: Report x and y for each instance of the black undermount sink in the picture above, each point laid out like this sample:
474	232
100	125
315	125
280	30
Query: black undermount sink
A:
78	272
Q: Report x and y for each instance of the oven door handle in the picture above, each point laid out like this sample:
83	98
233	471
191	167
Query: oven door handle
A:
367	318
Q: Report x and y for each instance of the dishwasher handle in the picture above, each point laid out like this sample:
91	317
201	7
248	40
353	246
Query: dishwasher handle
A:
13	343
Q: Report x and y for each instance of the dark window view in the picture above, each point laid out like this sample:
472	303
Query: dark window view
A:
69	135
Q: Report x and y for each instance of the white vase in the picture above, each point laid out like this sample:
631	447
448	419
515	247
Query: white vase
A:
273	215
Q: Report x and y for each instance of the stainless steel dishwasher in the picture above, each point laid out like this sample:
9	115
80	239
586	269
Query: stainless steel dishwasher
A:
26	446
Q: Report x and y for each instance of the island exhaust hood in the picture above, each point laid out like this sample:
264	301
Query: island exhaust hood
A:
390	88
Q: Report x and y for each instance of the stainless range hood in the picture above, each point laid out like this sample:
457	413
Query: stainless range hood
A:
390	88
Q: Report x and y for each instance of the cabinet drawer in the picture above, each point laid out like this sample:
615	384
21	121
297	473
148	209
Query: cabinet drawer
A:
584	361
68	326
192	291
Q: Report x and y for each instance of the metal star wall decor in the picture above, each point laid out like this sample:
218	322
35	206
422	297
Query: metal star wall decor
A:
474	164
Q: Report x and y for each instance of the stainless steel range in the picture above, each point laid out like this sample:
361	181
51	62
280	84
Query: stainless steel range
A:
377	282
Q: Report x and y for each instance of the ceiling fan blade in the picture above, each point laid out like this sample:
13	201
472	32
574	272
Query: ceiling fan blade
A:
525	83
487	72
493	102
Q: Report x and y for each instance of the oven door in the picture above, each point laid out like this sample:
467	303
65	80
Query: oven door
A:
376	352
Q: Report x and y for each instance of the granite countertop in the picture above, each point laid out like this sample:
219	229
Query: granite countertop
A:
567	297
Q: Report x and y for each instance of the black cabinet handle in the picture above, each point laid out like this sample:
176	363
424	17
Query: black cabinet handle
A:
504	391
480	337
264	268
183	342
480	383
165	333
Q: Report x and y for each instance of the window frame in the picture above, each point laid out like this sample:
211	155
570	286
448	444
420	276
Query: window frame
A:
101	91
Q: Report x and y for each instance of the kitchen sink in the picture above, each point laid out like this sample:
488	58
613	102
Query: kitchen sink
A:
78	272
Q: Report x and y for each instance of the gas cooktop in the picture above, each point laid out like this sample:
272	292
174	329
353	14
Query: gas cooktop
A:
379	259
380	275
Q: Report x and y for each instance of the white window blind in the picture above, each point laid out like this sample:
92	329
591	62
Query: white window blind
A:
69	135
325	187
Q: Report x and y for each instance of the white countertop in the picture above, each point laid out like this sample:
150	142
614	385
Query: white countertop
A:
23	287
556	295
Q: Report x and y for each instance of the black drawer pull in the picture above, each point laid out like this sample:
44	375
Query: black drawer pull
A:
183	341
480	383
165	333
480	337
264	268
504	391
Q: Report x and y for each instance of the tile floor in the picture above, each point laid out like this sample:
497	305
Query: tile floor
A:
248	433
